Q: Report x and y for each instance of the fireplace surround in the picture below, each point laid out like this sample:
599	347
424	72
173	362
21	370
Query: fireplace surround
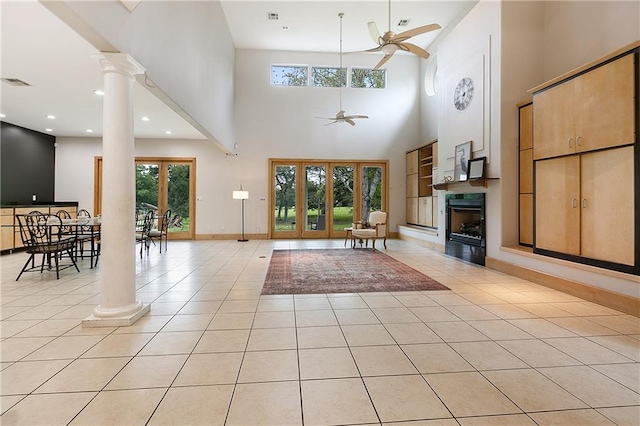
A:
465	236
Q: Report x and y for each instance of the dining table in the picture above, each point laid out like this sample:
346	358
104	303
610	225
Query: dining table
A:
84	229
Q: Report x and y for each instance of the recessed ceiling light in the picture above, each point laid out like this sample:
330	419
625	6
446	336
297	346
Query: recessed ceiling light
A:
48	130
168	132
89	131
284	27
2	116
272	16
99	92
145	118
51	117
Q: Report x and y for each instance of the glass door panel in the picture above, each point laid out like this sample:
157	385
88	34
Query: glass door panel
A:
147	187
285	223
371	191
315	212
179	199
342	199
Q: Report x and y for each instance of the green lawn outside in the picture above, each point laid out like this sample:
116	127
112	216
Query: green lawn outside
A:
342	218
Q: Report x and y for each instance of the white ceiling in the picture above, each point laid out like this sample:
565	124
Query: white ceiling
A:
41	50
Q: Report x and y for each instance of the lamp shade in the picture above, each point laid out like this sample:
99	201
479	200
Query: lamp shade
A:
240	195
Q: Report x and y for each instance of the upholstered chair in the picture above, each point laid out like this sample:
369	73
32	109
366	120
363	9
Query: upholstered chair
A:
376	229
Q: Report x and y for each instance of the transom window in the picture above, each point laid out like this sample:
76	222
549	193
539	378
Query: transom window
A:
289	75
328	77
368	78
298	75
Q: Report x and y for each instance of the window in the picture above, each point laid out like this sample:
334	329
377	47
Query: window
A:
328	77
289	75
368	78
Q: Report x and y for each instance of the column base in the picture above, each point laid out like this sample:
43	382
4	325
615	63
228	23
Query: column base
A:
93	321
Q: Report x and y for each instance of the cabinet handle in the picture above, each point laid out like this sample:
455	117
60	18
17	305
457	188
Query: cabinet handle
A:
569	140
574	203
584	203
578	140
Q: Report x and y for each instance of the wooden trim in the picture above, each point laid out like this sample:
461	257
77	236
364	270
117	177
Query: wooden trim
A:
225	237
594	63
610	299
524	103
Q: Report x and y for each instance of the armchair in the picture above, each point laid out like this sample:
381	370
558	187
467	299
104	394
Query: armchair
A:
377	230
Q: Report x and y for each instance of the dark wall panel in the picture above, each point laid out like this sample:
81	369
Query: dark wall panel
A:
27	165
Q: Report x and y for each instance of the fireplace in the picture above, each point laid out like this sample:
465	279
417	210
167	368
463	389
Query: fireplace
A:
465	227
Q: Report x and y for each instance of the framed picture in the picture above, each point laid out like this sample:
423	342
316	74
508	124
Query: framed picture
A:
463	154
476	168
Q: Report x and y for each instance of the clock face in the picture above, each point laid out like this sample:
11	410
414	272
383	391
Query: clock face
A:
463	94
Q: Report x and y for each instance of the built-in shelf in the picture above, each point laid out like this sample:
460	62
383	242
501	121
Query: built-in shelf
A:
444	186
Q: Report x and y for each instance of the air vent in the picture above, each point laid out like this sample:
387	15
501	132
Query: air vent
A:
15	82
272	16
403	22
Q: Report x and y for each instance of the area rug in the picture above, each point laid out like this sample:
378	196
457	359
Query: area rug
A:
341	271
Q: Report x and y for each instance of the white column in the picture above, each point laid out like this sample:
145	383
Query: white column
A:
118	303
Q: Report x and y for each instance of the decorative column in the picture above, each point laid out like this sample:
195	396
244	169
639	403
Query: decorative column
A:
118	303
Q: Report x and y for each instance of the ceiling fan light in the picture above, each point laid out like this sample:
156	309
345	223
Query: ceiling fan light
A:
389	49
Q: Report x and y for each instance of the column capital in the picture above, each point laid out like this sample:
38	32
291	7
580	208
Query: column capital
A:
121	63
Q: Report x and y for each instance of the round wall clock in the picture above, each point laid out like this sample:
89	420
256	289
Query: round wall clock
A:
464	94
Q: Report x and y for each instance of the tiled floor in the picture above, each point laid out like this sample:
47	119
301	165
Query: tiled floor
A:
495	350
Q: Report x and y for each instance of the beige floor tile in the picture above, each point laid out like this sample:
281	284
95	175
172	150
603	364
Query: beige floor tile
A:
586	351
326	363
382	361
626	374
277	319
483	299
356	317
232	321
508	311
119	345
210	369
434	314
46	409
457	332
40	312
276	403
415	300
499	330
624	345
448	299
230	306
571	417
168	308
275	305
269	366
223	341
436	358
411	333
541	328
84	375
381	301
22	378
312	304
148	372
539	393
582	308
146	324
14	349
13	328
582	326
537	353
198	405
470	313
336	401
347	302
6	402
623	416
207	295
315	318
395	315
49	328
366	335
238	293
509	420
544	310
487	356
64	348
272	339
592	387
320	337
179	342
625	324
470	394
134	407
398	398
188	323
438	422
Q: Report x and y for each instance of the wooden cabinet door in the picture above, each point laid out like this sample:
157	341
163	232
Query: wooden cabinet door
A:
526	127
526	171
557	211
553	128
607	205
412	210
604	102
412	185
425	211
526	219
412	162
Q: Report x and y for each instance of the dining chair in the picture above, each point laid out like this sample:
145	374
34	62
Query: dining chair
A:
41	235
86	233
142	235
163	230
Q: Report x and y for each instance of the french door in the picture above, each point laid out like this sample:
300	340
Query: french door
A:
162	184
319	199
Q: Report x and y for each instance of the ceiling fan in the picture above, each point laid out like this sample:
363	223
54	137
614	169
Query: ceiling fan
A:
390	42
341	116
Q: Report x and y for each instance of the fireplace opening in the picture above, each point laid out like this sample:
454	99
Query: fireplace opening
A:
465	227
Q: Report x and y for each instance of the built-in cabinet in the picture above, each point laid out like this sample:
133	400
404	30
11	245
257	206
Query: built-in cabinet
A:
9	229
582	167
422	205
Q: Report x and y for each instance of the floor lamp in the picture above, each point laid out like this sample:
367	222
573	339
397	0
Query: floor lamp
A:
241	195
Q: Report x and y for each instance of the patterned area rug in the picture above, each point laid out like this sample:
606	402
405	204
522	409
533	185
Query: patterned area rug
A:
341	271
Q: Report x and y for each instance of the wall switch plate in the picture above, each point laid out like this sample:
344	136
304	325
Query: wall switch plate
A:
199	198
263	198
34	197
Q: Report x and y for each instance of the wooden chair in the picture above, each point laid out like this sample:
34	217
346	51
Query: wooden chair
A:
377	229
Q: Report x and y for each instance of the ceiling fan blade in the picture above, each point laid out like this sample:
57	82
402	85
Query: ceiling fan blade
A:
373	31
350	121
356	116
326	118
375	49
333	122
408	47
414	32
383	61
